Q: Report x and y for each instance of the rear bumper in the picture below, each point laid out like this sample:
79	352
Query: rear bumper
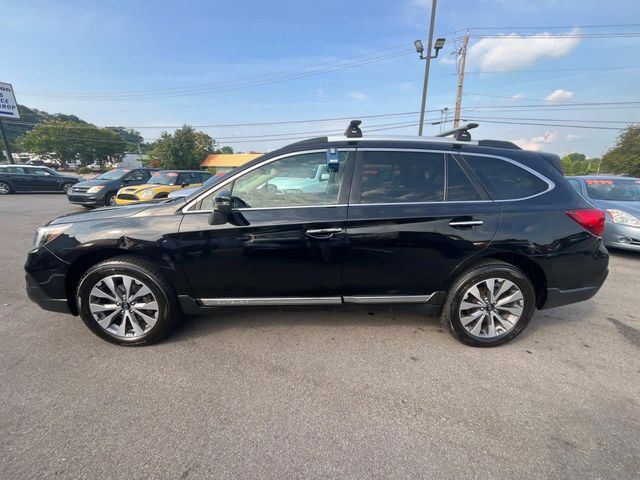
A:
557	297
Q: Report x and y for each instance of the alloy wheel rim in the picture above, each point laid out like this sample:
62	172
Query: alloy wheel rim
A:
4	188
123	306
112	200
66	187
491	307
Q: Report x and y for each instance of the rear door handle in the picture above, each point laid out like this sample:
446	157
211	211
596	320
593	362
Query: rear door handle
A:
465	223
323	233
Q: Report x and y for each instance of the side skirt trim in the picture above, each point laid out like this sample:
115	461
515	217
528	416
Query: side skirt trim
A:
265	301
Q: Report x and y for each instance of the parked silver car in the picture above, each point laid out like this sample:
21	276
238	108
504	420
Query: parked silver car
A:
619	197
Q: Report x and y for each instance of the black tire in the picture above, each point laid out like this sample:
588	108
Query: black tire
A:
486	270
109	200
168	309
66	187
5	188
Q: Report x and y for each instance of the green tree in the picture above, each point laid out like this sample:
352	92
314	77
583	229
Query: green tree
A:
70	141
132	137
185	148
624	157
225	150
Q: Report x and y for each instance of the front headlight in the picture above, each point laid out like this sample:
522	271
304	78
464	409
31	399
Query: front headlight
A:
95	189
623	218
45	234
146	194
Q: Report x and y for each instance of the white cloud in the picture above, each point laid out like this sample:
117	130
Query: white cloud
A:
513	52
320	92
572	136
356	95
559	95
518	96
536	143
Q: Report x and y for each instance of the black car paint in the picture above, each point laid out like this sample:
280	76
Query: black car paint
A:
30	182
111	187
382	250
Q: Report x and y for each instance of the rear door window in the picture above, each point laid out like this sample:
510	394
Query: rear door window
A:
505	180
400	177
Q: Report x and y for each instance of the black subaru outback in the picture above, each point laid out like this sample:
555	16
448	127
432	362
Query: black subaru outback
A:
481	232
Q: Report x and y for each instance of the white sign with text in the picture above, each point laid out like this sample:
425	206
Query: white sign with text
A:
8	104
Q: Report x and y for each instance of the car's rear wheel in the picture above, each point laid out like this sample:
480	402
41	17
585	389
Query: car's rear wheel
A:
110	200
489	304
66	187
126	301
5	188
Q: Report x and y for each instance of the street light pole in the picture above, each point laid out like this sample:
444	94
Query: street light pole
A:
426	66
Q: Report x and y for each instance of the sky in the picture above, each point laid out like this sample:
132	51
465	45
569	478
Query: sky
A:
223	66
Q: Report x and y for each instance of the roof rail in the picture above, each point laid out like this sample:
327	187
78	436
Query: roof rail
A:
353	130
462	133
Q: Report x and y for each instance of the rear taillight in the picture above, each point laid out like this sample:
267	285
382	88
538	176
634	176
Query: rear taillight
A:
591	219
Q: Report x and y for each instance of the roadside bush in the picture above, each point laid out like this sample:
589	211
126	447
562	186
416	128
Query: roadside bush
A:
84	170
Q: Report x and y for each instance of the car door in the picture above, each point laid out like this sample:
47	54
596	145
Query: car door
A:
414	216
42	179
17	177
279	245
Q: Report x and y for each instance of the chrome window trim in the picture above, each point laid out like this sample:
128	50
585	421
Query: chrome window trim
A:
187	208
550	184
334	205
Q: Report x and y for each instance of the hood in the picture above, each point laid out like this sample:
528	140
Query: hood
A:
99	214
139	188
94	182
75	178
630	207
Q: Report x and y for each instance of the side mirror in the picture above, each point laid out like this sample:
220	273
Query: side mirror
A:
324	177
221	210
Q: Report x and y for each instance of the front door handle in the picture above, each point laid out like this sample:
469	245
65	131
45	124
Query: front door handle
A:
465	223
323	233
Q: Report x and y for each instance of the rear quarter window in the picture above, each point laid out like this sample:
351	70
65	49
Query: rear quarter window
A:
505	180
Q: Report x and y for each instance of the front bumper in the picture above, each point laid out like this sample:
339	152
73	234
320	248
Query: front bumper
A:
37	295
45	278
121	201
622	236
85	199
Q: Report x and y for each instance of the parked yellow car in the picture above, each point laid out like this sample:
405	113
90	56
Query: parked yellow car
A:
160	185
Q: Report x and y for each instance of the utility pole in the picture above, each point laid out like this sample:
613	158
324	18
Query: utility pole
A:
427	66
463	61
6	142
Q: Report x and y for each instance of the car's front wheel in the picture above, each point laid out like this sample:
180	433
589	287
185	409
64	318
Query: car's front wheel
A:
66	187
110	200
127	301
489	304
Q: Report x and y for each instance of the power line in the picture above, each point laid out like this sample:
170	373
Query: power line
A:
546	124
226	85
524	27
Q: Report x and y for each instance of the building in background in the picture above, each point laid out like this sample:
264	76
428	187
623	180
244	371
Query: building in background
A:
225	162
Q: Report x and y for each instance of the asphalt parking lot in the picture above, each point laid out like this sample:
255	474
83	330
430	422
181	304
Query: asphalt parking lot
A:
315	393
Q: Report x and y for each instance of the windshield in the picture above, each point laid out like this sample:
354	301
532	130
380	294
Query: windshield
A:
113	174
163	178
617	190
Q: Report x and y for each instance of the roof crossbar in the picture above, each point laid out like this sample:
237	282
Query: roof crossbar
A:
462	133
